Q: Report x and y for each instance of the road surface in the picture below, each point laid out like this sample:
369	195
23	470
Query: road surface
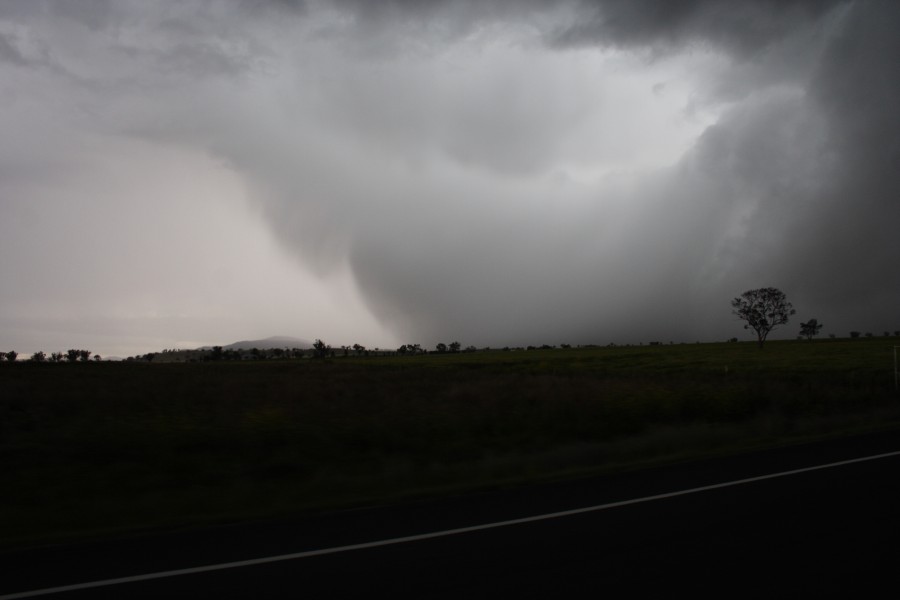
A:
797	520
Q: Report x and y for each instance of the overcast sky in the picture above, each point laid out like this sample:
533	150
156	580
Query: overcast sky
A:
178	174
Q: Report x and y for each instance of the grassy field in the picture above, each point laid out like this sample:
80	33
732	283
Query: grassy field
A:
100	448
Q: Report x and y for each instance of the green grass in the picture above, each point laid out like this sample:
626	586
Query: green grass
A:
94	449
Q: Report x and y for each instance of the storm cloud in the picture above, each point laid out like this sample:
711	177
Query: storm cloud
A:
493	172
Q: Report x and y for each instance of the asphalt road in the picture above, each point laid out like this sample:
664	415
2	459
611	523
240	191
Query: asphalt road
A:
830	531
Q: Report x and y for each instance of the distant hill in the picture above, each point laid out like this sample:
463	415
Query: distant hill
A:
278	341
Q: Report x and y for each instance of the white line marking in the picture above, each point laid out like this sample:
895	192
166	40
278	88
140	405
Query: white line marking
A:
434	534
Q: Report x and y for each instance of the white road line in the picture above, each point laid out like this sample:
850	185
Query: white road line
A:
432	535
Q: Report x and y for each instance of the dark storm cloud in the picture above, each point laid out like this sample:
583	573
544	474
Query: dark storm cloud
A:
763	198
795	185
507	172
741	27
816	177
852	233
738	26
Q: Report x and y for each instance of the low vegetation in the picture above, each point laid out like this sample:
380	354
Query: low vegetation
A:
98	448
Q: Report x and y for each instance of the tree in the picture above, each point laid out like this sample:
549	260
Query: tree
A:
810	328
441	348
320	349
764	309
38	357
12	355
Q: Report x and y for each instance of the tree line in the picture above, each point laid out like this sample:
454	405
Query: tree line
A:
72	355
763	310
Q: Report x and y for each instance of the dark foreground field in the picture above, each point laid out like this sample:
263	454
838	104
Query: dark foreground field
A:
95	449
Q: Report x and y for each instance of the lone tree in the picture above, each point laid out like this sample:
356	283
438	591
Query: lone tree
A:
320	349
810	328
763	309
